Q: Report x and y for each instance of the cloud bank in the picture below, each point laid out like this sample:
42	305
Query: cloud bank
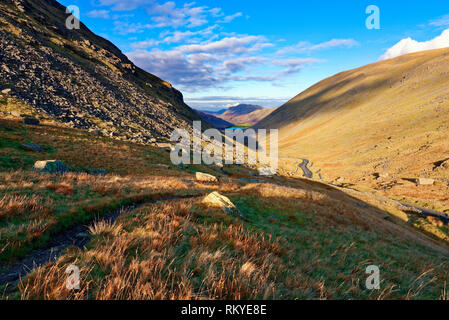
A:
409	45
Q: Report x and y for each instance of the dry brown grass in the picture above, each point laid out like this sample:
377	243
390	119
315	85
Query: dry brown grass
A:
182	250
145	262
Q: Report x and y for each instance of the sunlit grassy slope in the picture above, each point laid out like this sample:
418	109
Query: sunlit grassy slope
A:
303	239
391	117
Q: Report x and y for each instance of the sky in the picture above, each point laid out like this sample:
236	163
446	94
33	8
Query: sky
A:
221	53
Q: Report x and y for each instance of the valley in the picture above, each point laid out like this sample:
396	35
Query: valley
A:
88	181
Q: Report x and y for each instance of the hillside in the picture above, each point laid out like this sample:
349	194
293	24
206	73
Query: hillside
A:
301	239
215	120
243	114
379	127
79	78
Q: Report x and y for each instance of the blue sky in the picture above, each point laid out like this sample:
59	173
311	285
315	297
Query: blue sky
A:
220	53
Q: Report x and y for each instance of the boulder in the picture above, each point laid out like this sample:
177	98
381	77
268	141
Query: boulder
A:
165	146
267	172
50	166
31	121
216	200
31	147
425	182
204	177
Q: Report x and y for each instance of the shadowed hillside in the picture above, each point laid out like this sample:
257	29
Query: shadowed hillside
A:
382	125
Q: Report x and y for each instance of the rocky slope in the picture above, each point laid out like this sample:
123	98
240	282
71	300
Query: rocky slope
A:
79	78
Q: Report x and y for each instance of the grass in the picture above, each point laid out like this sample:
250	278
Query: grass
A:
182	250
33	206
303	240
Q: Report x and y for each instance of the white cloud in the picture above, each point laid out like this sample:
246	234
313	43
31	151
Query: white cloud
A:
104	14
440	22
305	46
230	45
125	5
228	19
126	28
409	45
144	44
211	103
239	64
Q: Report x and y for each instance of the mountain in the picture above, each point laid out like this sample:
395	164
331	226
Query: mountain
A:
215	121
79	78
242	114
221	111
390	118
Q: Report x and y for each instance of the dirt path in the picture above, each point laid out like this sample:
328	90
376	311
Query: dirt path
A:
74	236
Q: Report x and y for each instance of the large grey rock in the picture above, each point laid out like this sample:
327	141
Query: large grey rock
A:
204	177
216	200
50	166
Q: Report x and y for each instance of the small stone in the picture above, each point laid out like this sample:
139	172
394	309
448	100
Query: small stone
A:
425	182
50	166
204	177
97	172
165	146
82	235
268	172
381	175
32	147
162	166
272	219
31	121
6	91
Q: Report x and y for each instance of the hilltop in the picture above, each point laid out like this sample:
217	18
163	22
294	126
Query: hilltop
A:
381	126
79	78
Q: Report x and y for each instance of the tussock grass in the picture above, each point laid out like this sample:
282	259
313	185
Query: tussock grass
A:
182	250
